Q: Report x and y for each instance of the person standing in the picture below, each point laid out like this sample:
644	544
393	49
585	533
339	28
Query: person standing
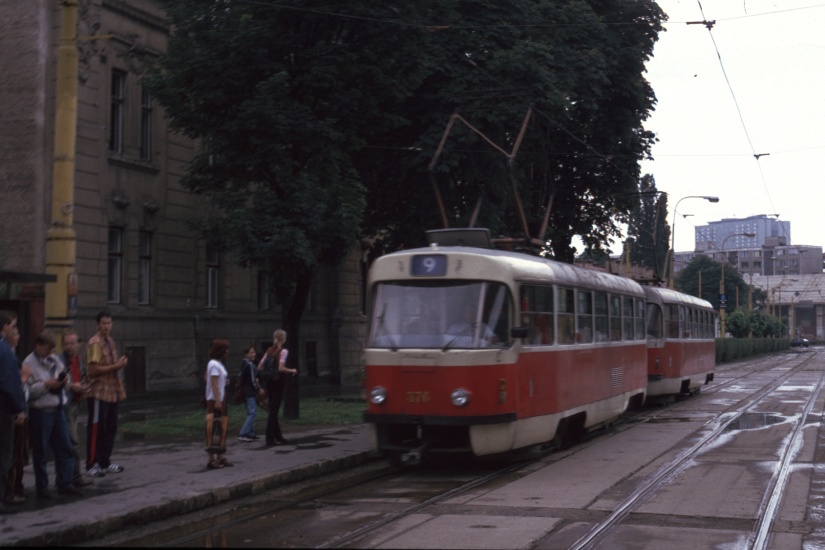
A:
248	380
47	423
15	492
105	392
12	402
273	371
77	368
217	419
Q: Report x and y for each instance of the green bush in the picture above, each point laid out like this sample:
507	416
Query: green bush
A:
731	349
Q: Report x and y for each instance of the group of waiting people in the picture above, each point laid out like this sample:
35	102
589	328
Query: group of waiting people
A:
258	379
40	402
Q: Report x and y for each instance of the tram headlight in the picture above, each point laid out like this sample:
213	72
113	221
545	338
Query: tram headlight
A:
460	397
378	395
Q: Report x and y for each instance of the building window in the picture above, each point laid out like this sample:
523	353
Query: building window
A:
117	105
144	267
212	276
145	126
115	264
263	290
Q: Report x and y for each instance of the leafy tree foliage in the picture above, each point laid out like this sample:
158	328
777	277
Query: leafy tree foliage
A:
742	323
709	272
579	64
317	123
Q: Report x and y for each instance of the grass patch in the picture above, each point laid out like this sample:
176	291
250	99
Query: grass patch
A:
189	422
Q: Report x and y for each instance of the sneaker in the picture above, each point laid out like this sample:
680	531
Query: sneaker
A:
115	468
245	438
80	481
96	471
254	437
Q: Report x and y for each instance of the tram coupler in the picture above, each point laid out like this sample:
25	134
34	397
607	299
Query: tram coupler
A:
413	457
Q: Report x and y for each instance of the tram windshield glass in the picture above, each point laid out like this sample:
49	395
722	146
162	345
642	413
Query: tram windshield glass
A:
441	315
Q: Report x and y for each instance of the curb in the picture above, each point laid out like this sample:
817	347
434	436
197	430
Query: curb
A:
85	531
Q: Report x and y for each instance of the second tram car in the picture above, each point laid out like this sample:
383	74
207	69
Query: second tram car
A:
487	351
681	343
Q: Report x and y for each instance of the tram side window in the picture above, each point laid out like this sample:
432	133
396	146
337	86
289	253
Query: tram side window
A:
627	317
672	319
654	321
584	316
639	318
602	321
537	313
704	317
615	318
694	323
566	316
684	323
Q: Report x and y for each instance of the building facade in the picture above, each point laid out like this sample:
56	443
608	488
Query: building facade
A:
798	301
730	233
767	252
170	292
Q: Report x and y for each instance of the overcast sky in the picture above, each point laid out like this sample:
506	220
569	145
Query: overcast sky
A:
772	104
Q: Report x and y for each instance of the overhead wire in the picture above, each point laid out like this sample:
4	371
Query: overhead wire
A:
606	157
709	25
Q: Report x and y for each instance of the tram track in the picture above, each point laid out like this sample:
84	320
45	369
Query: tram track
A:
601	530
758	540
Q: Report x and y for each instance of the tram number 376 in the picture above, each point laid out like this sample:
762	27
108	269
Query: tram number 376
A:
418	397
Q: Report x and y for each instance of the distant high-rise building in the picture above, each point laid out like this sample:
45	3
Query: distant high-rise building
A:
766	230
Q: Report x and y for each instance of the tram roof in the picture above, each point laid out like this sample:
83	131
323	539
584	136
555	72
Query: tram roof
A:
495	264
669	296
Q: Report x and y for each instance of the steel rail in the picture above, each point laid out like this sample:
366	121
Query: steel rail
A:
600	530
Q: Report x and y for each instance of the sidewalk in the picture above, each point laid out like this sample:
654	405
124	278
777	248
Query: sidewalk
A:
163	480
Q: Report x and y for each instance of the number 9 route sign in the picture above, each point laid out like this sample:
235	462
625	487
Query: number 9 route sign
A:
429	265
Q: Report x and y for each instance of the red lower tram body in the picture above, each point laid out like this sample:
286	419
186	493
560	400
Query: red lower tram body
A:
680	367
536	397
681	332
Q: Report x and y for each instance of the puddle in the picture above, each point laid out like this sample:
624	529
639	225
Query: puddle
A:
663	420
754	421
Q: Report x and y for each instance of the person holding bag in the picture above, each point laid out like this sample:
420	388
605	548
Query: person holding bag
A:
273	369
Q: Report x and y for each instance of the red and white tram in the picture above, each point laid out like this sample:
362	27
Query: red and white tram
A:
681	342
486	351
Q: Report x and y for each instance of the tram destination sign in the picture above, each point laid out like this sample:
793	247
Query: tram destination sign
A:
429	265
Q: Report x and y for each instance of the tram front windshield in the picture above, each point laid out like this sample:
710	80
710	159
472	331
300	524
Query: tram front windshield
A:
441	315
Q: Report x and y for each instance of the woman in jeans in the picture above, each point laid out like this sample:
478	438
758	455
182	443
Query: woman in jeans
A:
251	390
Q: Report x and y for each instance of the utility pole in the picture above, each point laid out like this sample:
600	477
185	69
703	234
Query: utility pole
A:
61	296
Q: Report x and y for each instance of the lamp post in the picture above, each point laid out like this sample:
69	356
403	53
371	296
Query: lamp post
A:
723	301
673	229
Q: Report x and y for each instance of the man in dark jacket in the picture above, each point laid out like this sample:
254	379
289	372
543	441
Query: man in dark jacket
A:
12	402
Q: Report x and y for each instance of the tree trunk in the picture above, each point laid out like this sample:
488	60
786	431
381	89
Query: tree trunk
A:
292	325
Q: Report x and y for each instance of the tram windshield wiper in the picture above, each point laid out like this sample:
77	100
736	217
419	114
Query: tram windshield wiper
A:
380	327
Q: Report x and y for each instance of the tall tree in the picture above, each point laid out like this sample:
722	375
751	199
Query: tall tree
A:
280	100
649	228
316	122
580	65
707	272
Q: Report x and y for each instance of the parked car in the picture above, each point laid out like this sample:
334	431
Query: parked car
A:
800	343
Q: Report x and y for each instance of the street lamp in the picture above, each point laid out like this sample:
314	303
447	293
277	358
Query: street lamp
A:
673	229
723	301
